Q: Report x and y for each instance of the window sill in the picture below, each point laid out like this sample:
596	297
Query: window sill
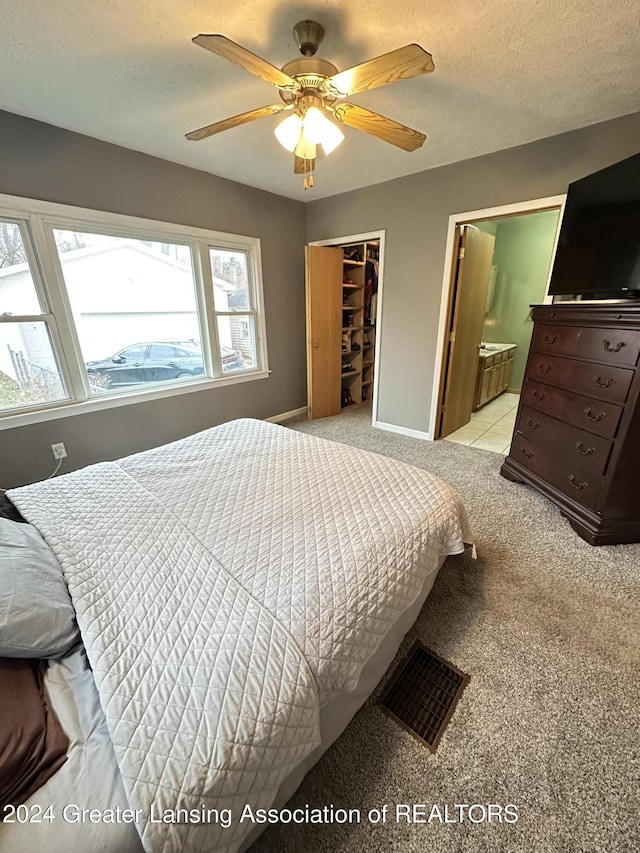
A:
70	409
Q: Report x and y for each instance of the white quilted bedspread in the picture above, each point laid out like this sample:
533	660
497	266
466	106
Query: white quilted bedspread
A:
226	586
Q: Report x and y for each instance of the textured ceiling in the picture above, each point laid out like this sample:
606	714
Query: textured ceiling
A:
507	72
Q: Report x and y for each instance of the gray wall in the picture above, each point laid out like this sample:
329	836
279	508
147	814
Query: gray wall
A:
415	213
44	162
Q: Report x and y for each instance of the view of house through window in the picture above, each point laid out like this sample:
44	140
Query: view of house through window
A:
29	372
134	309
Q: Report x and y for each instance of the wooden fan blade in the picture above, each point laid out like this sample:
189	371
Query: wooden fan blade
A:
303	167
234	121
401	64
228	49
383	128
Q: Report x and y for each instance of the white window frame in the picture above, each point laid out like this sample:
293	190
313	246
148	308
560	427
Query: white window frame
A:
40	218
252	311
44	316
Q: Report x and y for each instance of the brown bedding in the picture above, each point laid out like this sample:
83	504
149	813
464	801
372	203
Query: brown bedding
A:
32	743
8	510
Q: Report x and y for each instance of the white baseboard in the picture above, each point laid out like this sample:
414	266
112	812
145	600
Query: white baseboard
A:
412	433
285	416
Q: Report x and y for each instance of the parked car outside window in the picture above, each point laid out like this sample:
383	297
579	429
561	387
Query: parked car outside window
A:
156	361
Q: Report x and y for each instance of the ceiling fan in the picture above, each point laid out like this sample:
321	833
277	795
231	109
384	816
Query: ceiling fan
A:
312	87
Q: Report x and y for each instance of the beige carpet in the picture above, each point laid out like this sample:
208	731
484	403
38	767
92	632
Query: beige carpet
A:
548	629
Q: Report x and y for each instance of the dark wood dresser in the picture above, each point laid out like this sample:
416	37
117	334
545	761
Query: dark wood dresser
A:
577	433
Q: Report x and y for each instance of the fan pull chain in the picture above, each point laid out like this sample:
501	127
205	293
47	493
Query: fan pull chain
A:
308	177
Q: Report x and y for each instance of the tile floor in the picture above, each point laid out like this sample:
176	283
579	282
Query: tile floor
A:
491	427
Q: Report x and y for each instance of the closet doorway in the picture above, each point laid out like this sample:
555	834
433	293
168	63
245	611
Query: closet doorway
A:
344	283
499	263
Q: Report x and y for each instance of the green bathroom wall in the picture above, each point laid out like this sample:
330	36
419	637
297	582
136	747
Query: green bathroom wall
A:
489	226
522	255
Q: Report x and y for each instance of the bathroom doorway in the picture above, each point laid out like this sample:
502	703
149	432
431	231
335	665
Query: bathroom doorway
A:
500	264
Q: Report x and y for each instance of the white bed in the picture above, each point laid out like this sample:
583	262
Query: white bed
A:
296	564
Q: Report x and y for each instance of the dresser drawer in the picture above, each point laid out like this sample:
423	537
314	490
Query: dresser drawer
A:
579	484
567	442
610	346
594	380
593	415
531	455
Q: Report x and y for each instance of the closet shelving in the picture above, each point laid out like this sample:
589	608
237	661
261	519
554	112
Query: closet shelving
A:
341	288
358	341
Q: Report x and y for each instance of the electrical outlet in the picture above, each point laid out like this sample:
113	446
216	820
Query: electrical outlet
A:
59	450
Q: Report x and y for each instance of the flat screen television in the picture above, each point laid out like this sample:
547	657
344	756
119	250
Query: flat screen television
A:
598	254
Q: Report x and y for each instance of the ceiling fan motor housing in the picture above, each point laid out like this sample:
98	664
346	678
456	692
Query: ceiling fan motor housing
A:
310	74
308	35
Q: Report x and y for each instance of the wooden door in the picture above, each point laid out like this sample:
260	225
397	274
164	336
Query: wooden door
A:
465	334
323	288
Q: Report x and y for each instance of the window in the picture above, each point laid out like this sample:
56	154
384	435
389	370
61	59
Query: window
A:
99	309
29	371
132	354
234	304
123	290
162	353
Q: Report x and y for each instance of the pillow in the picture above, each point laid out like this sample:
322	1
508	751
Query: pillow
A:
32	743
37	619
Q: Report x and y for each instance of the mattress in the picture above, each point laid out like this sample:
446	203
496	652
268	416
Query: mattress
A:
228	587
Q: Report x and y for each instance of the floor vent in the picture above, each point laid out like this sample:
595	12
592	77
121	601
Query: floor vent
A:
423	694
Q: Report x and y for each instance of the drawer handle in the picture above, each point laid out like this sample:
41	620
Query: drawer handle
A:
617	348
607	384
526	453
585	451
597	417
533	424
550	339
575	484
539	395
544	368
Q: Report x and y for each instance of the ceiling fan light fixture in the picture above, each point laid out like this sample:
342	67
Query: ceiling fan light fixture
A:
318	129
288	131
314	125
304	149
332	137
